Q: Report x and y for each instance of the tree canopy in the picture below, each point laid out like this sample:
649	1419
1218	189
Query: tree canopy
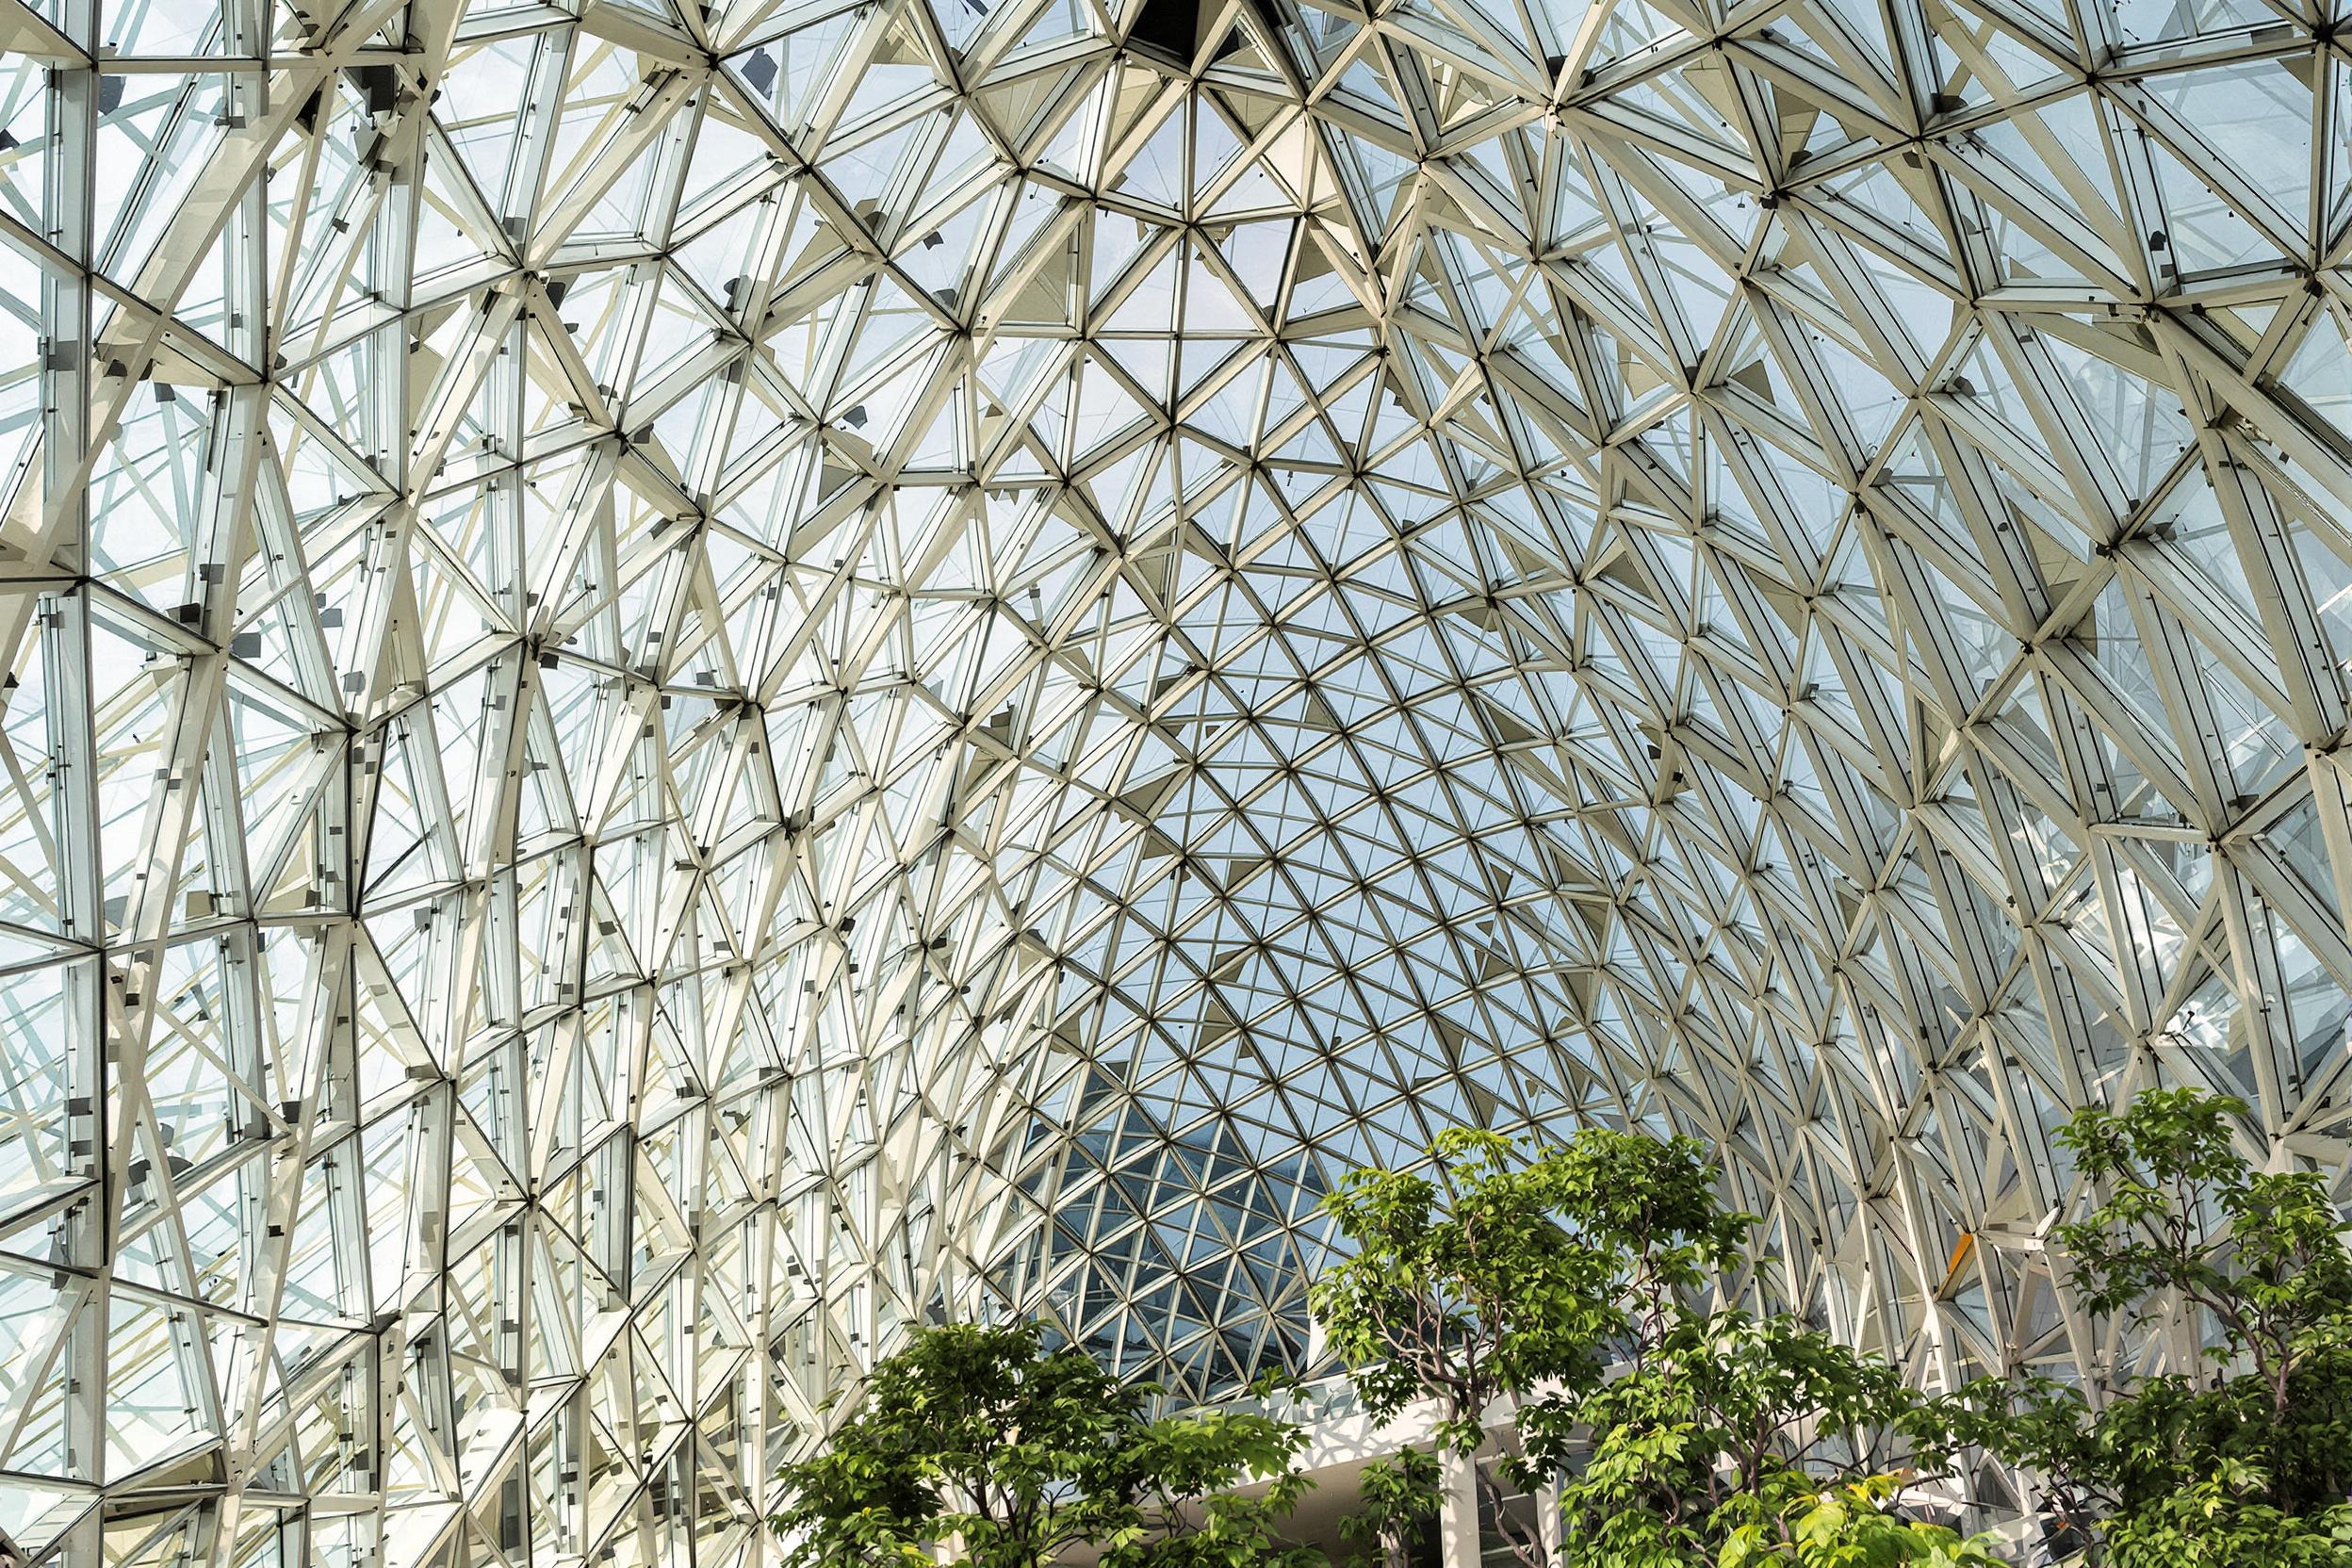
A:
1564	1282
977	1446
2244	1457
1471	1281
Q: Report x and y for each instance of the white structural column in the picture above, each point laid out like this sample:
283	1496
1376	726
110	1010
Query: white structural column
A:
1460	1539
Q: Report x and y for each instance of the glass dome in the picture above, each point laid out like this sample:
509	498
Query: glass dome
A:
688	680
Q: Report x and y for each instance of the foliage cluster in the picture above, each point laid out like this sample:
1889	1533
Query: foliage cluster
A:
1562	1280
976	1445
1577	1291
2243	1455
1395	1497
1561	1283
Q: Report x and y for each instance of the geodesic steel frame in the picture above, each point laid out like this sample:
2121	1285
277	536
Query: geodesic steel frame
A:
686	681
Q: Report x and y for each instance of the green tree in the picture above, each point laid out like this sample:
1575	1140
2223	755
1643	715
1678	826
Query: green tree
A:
1713	1411
1506	1272
2260	1252
1564	1278
1729	1433
2244	1459
1189	1513
979	1445
1394	1496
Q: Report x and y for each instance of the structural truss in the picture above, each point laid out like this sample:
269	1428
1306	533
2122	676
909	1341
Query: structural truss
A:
688	679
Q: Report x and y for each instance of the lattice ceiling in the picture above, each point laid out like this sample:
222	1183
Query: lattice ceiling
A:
686	681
